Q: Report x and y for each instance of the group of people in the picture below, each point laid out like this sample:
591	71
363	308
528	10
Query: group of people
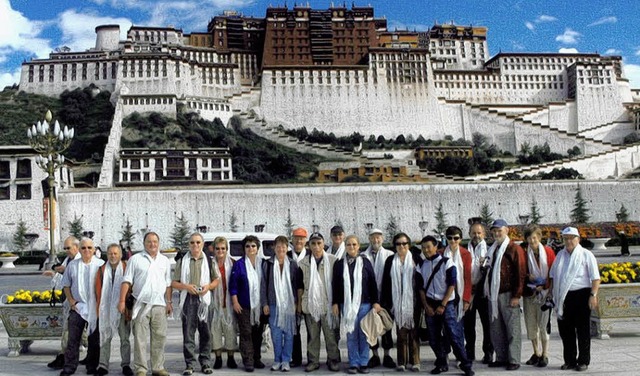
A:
337	291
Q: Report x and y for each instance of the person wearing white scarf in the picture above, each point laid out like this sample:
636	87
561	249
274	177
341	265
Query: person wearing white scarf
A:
110	321
315	286
399	298
539	261
337	242
298	252
575	281
354	295
223	320
504	286
478	249
244	288
79	288
195	278
279	302
148	276
378	255
463	261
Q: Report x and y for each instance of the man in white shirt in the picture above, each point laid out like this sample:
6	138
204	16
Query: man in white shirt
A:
149	275
79	288
575	280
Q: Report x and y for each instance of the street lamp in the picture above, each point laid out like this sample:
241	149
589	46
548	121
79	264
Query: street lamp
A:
49	141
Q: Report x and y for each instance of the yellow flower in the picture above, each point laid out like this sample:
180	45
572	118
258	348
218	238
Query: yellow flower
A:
10	299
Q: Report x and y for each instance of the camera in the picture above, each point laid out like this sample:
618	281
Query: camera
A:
199	289
548	304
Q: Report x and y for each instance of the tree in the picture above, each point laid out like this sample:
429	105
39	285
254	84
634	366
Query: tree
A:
75	227
289	224
534	215
233	222
622	215
20	241
392	227
441	220
486	215
127	233
180	234
580	212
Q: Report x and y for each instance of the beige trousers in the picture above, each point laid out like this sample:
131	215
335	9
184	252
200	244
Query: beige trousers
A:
151	328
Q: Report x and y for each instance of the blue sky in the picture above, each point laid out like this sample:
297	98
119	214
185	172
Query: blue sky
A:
33	28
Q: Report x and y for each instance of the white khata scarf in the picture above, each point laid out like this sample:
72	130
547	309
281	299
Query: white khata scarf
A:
185	277
254	275
538	271
457	260
340	252
492	286
378	264
86	306
567	268
477	252
298	257
148	294
109	318
316	295
402	289
220	295
285	303
351	301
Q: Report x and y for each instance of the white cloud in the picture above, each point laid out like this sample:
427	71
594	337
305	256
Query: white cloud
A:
18	33
605	20
530	25
637	52
568	51
632	72
545	18
78	29
517	46
8	79
568	37
612	51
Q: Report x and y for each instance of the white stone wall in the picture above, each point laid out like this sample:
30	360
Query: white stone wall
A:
106	211
613	132
60	82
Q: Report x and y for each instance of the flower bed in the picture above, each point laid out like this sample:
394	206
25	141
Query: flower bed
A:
28	297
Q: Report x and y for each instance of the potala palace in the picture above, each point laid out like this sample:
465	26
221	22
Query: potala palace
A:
341	70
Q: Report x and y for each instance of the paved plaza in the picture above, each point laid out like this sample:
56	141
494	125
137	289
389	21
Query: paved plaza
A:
619	355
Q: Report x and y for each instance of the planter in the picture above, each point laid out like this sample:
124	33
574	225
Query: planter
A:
616	303
26	323
172	257
599	244
7	261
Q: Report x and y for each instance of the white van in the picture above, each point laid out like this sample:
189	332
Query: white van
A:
267	241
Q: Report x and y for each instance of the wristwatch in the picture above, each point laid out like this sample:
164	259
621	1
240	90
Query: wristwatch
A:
593	294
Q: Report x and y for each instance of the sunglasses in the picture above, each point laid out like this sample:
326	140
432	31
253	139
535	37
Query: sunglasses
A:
66	248
456	238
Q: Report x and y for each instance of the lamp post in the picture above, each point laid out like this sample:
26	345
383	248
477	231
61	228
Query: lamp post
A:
49	141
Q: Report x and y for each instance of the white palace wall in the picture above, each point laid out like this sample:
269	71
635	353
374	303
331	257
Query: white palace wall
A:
106	211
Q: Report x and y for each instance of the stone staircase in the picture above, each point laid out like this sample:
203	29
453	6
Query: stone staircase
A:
112	149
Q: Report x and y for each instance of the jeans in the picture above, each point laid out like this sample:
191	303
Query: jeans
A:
454	332
357	345
72	352
282	341
191	322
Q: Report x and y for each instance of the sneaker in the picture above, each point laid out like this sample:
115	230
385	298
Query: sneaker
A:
544	361
581	367
217	364
352	370
57	363
187	371
387	362
400	368
127	371
285	367
207	370
363	369
311	367
533	360
231	363
276	366
374	361
415	368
